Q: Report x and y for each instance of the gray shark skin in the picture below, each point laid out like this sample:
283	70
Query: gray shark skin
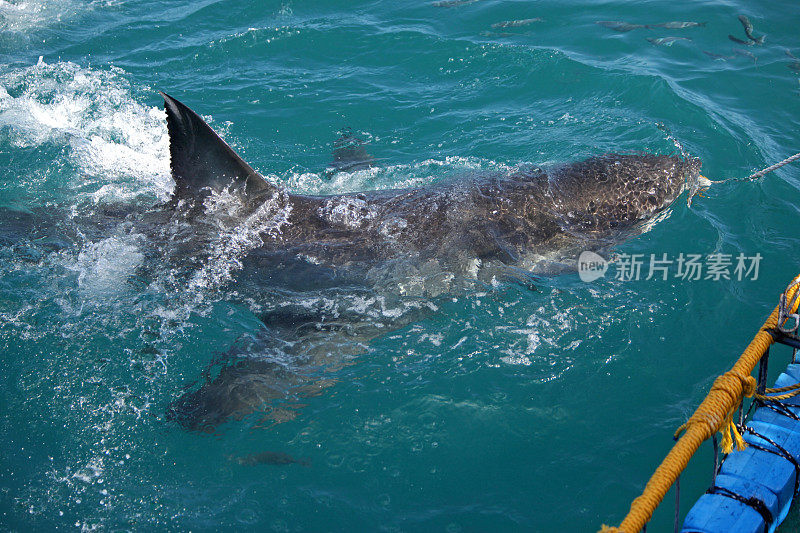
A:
349	154
269	458
366	246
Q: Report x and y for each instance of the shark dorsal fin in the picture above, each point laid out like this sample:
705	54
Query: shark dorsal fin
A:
200	159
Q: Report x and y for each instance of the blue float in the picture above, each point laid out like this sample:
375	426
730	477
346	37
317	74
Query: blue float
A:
754	488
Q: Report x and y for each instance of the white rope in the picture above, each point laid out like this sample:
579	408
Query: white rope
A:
767	170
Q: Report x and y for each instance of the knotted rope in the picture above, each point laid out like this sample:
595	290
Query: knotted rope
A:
714	414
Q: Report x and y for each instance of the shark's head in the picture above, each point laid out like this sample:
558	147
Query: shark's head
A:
618	192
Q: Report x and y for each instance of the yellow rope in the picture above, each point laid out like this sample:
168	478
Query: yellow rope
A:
724	397
714	414
795	390
796	386
779	397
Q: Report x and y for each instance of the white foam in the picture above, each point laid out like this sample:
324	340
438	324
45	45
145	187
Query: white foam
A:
103	267
347	211
120	146
22	17
400	176
19	17
521	360
92	471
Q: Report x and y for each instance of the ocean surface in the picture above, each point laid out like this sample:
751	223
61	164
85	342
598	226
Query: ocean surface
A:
514	406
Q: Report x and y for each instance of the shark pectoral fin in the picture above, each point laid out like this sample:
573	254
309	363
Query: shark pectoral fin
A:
200	159
241	386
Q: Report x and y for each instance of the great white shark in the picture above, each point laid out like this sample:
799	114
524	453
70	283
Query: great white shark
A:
479	227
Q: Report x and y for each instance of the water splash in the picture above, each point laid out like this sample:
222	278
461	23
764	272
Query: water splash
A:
119	146
233	243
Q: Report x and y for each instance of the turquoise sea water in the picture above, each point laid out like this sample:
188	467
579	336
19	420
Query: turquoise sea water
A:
536	407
